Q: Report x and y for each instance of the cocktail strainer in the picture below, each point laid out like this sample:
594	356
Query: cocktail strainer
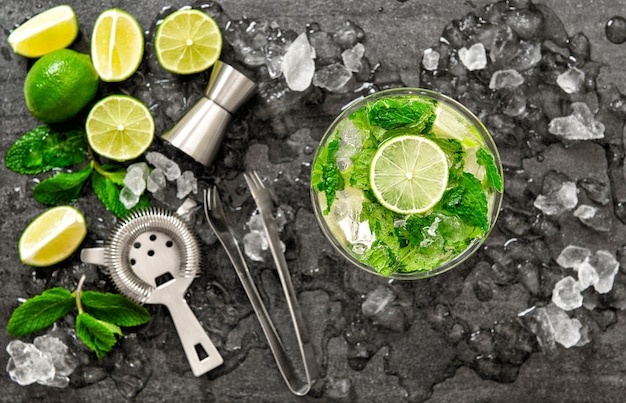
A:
152	256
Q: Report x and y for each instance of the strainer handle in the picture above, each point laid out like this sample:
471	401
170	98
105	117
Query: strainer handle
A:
199	349
92	256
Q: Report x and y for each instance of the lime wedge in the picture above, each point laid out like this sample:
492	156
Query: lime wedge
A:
120	127
188	41
52	236
409	174
50	30
116	45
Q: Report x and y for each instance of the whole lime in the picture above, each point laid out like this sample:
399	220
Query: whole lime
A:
59	85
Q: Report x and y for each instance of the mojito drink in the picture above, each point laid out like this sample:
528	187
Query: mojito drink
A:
406	183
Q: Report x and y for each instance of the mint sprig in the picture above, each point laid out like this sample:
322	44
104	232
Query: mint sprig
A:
41	311
98	320
62	188
44	148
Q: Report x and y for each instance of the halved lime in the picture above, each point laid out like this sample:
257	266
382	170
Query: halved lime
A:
52	236
120	127
409	174
188	41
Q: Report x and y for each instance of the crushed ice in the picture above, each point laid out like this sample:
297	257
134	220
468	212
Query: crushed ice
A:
46	361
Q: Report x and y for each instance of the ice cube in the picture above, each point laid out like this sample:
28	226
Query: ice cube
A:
186	184
557	202
332	77
566	294
580	125
573	256
298	64
606	265
594	217
566	329
254	244
135	178
377	301
587	275
430	60
58	353
352	57
508	78
128	198
571	81
474	57
28	364
156	181
170	169
255	223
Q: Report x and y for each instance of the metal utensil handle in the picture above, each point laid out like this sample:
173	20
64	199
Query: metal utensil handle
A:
199	349
217	221
302	335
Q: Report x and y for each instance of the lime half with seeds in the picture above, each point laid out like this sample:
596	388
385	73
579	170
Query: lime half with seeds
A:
409	174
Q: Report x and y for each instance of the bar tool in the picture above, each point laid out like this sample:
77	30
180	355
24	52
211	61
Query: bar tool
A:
216	217
152	256
200	131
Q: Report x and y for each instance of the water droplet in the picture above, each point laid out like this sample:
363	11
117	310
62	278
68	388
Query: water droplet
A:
615	30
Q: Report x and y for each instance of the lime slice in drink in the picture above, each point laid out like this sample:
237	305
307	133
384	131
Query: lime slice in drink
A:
116	45
52	237
120	127
409	174
188	41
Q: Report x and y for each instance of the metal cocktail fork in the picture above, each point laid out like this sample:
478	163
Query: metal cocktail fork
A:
217	220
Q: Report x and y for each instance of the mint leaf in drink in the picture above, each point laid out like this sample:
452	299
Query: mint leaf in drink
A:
62	188
44	148
41	311
492	177
325	176
453	149
114	308
359	172
98	335
390	113
468	201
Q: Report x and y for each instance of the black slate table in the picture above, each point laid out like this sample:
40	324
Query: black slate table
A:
455	337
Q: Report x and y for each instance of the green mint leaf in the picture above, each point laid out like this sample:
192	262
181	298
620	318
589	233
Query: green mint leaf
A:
98	335
396	112
44	148
452	148
467	200
381	258
492	177
325	176
62	188
114	308
109	194
115	173
41	311
359	172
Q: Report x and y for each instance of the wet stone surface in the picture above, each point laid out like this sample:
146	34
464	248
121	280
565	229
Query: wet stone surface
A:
545	294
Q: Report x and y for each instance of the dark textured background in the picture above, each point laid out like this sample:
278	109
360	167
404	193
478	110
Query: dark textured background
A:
419	363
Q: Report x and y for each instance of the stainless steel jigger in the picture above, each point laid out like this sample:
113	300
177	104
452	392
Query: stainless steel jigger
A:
200	132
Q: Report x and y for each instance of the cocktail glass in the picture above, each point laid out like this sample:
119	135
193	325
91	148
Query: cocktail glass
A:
352	222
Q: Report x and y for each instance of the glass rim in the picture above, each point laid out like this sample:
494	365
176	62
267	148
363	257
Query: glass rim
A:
482	132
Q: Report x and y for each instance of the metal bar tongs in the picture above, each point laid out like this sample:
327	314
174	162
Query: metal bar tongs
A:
217	220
